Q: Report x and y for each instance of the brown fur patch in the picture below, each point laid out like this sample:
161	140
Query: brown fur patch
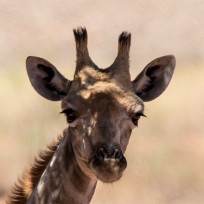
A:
26	184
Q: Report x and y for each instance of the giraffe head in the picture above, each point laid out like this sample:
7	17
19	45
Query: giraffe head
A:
102	106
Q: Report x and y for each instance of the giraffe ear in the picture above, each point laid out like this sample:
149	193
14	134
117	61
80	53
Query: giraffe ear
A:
154	78
46	79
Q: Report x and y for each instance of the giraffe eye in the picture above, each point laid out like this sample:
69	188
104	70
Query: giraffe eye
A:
70	114
136	117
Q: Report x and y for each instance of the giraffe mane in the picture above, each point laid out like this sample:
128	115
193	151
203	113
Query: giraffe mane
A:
31	176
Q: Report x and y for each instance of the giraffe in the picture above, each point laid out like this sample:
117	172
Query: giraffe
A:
102	107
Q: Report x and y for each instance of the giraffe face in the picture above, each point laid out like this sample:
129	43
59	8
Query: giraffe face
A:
101	117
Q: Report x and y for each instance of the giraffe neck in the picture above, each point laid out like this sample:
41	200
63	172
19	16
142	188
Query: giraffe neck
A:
63	181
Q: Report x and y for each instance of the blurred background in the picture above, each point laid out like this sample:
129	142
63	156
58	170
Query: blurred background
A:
166	152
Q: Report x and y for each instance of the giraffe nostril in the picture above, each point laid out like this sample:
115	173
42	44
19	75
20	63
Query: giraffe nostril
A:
117	154
101	153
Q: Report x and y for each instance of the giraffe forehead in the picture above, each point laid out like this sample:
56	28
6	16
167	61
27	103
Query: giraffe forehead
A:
89	76
94	87
106	93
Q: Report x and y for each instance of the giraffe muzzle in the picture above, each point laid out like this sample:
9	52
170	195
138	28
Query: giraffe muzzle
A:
108	164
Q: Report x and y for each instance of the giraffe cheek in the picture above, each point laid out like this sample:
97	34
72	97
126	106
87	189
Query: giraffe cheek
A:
83	147
87	148
124	142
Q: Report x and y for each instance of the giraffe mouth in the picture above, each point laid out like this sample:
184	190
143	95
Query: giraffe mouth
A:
108	170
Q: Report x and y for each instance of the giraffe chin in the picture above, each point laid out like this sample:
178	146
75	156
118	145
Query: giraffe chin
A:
108	170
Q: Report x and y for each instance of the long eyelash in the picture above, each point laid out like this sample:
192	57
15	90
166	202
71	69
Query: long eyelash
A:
70	114
140	114
65	111
137	115
143	115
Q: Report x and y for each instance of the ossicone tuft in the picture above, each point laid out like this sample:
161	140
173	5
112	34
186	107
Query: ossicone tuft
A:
80	35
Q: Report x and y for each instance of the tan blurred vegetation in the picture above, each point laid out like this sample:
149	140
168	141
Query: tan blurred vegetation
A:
166	153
